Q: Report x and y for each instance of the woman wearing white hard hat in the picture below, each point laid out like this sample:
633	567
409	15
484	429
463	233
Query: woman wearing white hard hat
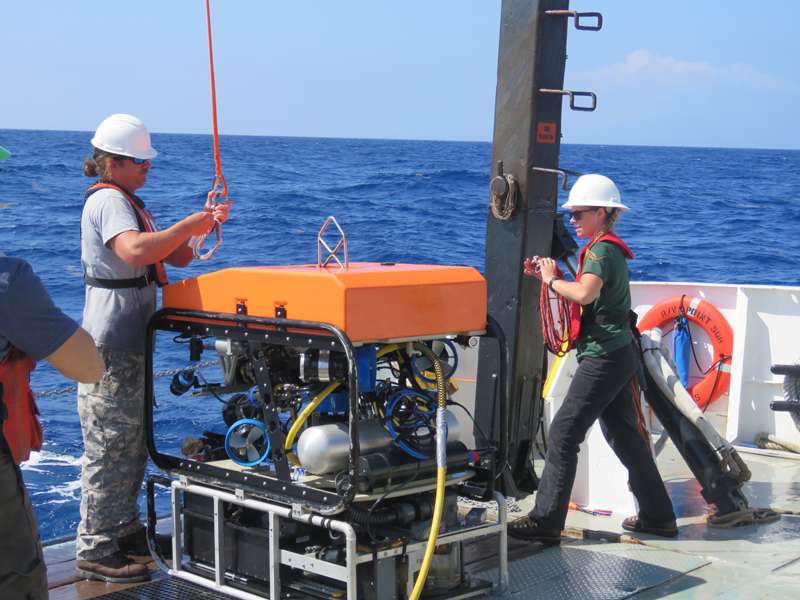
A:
608	360
123	254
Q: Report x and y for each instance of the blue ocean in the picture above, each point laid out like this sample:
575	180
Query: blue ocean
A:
709	215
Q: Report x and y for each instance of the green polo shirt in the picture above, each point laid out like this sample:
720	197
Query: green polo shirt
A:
605	260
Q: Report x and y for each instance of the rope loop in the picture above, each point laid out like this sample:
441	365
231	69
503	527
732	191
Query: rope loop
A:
503	207
750	516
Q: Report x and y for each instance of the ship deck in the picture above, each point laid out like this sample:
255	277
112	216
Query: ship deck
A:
598	559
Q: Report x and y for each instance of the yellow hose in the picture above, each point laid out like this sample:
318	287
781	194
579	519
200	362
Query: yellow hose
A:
441	462
437	519
387	349
301	418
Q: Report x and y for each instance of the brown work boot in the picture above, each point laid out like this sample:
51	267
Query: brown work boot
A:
115	568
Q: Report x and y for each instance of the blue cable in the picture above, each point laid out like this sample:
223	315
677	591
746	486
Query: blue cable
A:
253	389
390	426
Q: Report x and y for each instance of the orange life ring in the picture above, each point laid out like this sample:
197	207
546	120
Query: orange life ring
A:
718	379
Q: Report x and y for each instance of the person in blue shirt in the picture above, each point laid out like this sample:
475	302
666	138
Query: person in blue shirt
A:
32	328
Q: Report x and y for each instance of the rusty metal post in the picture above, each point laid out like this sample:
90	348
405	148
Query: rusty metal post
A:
527	134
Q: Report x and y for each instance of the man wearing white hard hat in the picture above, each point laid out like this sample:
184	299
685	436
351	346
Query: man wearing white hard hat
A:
123	254
608	359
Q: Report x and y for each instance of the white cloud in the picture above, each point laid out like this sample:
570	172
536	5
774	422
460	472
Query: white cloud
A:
643	68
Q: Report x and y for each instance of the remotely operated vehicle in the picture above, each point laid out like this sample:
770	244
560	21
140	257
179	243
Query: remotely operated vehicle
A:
334	463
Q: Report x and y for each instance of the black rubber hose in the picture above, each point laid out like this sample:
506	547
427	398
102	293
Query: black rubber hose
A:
396	514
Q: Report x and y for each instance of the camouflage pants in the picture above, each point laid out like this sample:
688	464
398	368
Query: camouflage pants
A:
114	454
23	575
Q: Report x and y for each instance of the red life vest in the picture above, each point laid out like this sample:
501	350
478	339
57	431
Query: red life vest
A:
21	428
156	272
575	308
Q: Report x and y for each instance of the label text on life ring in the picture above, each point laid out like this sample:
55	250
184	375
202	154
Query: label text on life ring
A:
672	311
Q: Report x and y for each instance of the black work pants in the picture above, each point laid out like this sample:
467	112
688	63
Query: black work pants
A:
600	390
23	575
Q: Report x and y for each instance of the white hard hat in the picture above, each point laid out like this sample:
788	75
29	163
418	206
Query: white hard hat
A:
124	135
594	190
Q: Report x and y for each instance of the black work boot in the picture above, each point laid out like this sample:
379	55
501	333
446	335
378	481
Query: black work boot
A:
527	529
636	524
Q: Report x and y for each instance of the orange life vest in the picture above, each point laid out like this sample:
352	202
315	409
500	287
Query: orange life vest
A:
156	272
21	428
575	308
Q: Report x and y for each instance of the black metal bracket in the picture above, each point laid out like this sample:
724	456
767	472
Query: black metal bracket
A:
785	406
257	359
578	16
564	245
572	96
791	370
562	172
152	519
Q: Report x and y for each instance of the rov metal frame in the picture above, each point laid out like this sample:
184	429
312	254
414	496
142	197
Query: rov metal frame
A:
277	556
254	331
277	495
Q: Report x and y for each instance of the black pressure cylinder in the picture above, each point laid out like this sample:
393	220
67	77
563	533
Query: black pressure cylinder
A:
396	466
717	486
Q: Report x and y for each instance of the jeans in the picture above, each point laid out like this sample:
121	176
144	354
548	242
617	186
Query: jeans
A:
600	390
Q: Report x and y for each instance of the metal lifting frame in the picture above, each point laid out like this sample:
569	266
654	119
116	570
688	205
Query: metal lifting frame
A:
278	556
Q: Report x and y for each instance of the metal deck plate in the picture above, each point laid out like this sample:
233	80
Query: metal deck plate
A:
596	571
170	588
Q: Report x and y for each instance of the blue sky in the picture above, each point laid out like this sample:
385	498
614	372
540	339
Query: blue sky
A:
676	73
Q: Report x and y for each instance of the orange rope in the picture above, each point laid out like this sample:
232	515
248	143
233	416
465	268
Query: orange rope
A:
219	178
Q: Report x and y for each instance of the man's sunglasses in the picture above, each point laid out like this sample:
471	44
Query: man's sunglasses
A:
576	214
136	161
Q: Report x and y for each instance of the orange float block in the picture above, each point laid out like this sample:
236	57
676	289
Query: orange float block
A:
368	301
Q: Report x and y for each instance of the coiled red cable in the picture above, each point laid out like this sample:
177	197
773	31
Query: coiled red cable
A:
555	326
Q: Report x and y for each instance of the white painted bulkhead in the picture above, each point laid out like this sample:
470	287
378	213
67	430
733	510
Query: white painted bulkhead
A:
766	325
766	331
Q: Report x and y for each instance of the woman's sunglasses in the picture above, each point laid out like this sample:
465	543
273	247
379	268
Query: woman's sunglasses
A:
576	214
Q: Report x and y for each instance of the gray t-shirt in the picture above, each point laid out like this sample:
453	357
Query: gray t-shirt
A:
28	318
116	319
